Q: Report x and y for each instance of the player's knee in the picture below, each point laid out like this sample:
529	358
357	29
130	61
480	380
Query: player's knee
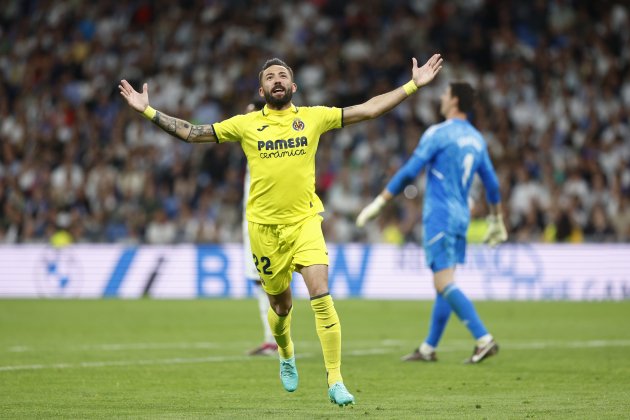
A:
281	309
442	277
318	291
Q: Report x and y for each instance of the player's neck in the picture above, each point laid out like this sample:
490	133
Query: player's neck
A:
288	105
456	114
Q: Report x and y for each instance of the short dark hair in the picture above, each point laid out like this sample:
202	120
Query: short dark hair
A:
465	95
274	62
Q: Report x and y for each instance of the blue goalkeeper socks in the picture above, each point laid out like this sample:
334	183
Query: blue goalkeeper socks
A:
439	319
465	310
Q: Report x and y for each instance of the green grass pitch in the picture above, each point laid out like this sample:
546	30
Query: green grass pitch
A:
164	359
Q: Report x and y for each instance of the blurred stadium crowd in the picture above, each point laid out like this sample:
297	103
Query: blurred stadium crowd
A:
553	79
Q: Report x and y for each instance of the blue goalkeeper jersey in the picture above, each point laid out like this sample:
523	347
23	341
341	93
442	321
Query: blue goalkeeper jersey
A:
452	151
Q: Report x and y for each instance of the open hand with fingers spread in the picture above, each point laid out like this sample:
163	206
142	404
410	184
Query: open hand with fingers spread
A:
138	101
423	75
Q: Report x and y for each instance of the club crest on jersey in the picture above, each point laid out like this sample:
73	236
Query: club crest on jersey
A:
298	124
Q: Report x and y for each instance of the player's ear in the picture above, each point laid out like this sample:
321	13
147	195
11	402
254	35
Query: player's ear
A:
293	87
261	92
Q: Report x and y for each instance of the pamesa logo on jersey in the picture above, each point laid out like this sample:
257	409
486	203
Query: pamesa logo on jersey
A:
282	148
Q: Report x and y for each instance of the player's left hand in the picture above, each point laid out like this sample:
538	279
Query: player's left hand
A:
371	211
423	75
496	232
137	100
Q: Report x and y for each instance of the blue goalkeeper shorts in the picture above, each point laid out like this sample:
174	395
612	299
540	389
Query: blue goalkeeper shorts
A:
444	250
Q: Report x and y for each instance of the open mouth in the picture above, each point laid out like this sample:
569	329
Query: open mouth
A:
277	89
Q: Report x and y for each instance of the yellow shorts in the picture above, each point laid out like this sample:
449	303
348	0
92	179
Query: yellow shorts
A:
278	249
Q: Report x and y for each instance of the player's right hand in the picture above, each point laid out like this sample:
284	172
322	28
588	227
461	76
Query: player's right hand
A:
496	232
136	100
371	211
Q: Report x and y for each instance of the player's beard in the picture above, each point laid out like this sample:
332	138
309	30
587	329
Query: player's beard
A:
278	103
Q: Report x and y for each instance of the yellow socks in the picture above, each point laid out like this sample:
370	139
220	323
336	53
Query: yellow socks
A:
329	332
281	330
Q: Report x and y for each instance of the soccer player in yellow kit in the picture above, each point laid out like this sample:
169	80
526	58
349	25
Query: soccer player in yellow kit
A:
283	211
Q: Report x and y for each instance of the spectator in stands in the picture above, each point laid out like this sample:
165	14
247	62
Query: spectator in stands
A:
548	103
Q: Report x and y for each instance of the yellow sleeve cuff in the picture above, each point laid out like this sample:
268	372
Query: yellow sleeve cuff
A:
410	87
149	113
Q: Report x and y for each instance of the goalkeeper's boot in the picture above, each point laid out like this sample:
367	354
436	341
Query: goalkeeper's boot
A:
339	395
289	374
481	353
418	356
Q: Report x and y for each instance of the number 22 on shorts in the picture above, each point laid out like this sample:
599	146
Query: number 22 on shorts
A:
266	263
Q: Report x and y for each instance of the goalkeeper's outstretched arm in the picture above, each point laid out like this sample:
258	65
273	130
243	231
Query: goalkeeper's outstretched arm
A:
183	130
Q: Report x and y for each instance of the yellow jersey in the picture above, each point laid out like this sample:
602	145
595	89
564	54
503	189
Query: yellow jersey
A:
280	147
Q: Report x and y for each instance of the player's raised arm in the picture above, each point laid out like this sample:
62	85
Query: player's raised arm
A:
190	133
380	104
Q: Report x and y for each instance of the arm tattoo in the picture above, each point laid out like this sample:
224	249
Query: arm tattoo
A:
166	123
183	129
198	132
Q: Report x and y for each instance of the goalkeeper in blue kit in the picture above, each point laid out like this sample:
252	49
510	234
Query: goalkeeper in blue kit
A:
452	152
